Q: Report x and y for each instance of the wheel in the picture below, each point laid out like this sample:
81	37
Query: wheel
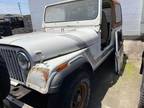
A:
75	93
4	82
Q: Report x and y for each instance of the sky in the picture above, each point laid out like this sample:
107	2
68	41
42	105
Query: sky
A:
11	7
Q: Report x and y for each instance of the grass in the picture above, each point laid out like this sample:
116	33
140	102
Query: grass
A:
130	69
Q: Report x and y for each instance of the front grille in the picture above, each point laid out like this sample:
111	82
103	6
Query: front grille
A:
15	72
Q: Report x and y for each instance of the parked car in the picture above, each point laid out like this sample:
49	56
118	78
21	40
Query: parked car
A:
59	63
15	22
5	29
141	102
8	23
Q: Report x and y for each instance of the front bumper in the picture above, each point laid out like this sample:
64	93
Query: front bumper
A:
14	99
22	97
14	103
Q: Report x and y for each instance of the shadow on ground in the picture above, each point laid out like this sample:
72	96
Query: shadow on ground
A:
104	79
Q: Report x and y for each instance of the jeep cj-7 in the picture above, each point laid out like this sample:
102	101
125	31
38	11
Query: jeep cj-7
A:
57	64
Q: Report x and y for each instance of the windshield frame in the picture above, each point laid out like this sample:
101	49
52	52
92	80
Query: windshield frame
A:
96	20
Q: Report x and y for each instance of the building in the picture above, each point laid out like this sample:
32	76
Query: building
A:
142	20
133	19
37	10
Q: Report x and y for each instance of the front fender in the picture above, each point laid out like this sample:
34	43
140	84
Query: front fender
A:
44	77
59	77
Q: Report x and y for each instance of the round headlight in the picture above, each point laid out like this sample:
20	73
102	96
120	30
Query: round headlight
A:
23	61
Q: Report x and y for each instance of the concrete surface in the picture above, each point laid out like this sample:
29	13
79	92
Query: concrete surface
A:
111	91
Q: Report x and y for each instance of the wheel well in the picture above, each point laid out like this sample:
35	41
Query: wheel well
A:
86	67
59	80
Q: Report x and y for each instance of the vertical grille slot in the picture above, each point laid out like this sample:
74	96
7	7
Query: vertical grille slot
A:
15	72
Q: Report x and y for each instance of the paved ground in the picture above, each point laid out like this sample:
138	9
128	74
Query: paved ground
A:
111	91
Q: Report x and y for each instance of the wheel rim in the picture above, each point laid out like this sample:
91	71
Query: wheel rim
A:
80	96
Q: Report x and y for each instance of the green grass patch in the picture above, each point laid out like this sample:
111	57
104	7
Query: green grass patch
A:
130	69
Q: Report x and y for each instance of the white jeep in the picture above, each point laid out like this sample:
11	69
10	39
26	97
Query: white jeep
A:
60	61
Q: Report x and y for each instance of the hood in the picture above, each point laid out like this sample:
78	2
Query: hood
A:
52	44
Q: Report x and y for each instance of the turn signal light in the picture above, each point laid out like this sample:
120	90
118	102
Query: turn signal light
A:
61	67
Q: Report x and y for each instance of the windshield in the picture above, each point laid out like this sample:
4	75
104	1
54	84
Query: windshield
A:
72	11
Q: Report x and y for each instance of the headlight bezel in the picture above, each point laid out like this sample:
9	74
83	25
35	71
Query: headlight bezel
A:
27	64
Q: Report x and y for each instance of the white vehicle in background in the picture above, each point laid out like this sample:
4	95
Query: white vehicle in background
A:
59	62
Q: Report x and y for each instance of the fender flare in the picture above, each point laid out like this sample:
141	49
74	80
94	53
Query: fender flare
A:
57	81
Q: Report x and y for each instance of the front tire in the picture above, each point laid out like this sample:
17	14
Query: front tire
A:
75	92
